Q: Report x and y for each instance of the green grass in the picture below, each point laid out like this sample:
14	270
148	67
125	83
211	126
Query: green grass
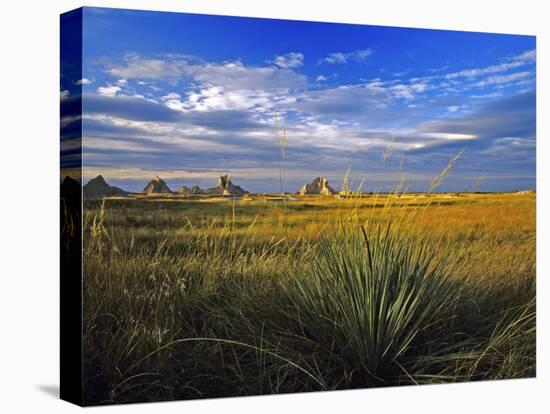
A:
369	295
208	299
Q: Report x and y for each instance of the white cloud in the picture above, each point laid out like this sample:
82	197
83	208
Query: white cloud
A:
486	95
108	90
232	75
362	54
83	81
137	67
64	94
407	91
527	56
418	87
289	61
448	136
402	91
171	96
122	82
337	57
218	98
321	111
236	76
501	79
522	59
370	100
344	57
173	101
66	120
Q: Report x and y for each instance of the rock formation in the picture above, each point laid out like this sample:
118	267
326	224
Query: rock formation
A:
195	189
70	194
224	187
98	188
157	186
318	186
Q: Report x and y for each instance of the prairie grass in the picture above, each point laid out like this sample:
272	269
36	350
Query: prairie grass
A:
196	299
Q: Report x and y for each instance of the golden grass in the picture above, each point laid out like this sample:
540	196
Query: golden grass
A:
207	287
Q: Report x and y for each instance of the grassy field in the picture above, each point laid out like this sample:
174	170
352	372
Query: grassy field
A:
218	297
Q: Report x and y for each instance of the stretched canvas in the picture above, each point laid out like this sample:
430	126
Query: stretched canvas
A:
258	206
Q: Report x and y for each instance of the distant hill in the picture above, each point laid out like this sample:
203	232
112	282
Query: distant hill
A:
98	188
157	186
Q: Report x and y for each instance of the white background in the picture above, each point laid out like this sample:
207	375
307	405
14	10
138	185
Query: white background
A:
29	162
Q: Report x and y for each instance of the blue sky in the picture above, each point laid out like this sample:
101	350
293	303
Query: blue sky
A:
189	97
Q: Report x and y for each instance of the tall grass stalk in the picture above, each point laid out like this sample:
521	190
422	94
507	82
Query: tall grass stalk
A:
281	142
438	179
388	152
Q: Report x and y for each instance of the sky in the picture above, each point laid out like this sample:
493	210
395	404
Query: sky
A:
190	97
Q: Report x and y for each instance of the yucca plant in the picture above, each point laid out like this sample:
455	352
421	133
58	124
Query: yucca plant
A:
370	292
